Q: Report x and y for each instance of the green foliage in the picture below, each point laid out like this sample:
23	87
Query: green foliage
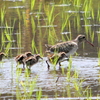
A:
51	14
32	4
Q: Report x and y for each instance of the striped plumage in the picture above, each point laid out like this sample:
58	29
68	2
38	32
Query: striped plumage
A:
2	54
30	61
20	58
69	47
56	59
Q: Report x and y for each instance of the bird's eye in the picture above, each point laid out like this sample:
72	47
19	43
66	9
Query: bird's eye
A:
83	37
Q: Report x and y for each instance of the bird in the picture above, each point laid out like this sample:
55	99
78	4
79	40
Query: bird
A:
55	59
20	58
69	47
30	61
2	54
28	54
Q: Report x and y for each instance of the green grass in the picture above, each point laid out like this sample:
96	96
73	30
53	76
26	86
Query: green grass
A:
2	13
25	89
32	4
70	22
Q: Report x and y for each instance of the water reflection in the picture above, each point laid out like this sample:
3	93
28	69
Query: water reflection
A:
33	26
27	29
42	29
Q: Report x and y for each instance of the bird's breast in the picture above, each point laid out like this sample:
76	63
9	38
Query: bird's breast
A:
72	50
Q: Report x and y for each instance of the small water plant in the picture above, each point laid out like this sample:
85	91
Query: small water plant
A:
42	22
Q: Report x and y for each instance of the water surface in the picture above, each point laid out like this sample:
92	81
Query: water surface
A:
27	26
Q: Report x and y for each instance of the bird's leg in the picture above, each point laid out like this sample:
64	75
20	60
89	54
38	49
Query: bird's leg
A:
65	60
23	65
48	65
29	67
57	79
59	65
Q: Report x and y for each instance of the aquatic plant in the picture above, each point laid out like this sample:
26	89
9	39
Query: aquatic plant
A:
2	13
26	86
98	56
75	15
32	4
34	49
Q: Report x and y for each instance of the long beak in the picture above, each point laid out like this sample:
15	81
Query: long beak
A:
41	58
89	42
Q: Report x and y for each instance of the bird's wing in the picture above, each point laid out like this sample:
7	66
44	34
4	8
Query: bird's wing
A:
62	47
48	48
20	57
30	59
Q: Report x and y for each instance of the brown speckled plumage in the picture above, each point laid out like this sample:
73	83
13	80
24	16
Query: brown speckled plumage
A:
69	47
56	58
30	61
20	58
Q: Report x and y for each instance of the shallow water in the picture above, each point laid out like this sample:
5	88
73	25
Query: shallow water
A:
26	26
87	68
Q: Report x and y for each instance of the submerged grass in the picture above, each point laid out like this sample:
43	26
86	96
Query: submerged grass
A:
25	89
2	13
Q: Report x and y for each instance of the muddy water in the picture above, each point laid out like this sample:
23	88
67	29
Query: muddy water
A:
87	69
86	65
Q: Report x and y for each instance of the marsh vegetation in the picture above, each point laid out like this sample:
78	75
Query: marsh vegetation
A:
27	25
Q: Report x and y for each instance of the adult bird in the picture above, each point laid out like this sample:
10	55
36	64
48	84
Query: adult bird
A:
32	60
69	47
56	58
20	58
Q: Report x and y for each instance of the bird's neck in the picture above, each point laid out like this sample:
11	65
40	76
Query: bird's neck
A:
37	59
77	41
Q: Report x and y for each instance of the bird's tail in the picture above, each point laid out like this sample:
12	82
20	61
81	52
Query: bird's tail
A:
47	48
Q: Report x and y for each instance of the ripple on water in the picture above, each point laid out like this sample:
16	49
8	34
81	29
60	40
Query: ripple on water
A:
86	67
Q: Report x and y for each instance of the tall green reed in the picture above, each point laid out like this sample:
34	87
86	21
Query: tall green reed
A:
77	3
77	84
33	26
2	13
98	13
87	7
49	12
18	11
34	48
98	56
92	36
32	4
7	35
19	37
39	94
98	35
65	19
68	74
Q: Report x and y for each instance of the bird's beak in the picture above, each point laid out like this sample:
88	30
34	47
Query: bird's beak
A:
41	58
89	42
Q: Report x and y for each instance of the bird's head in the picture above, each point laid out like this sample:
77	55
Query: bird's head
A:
38	56
82	38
